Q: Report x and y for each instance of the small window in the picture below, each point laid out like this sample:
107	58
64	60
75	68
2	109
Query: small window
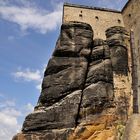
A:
96	17
80	15
129	15
119	21
138	42
135	22
81	11
132	6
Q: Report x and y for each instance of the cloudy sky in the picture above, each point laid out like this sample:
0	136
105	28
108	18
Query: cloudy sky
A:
28	32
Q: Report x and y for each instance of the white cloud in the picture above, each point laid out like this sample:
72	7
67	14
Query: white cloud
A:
38	87
29	108
9	124
10	117
29	16
10	38
28	75
7	103
1	95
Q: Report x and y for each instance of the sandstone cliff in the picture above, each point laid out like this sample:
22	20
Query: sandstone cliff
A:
86	90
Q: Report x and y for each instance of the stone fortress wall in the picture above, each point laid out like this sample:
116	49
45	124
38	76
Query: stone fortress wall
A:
100	19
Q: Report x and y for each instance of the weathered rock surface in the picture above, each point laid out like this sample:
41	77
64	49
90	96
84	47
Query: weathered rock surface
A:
100	52
116	30
53	134
80	95
63	81
60	115
119	58
100	70
62	76
96	98
74	39
132	130
98	93
116	39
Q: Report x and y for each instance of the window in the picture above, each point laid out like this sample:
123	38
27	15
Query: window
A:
129	15
80	15
135	22
96	17
138	42
119	21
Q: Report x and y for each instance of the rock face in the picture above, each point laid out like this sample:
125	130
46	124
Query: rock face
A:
80	96
132	131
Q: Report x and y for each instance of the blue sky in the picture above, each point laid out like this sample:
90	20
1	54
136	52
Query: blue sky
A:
28	33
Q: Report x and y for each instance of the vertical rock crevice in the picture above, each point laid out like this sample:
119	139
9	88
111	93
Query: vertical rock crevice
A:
84	84
98	88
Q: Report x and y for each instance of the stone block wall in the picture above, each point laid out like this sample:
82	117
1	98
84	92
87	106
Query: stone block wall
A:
100	19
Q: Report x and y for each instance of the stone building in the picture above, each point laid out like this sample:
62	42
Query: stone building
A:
101	19
90	89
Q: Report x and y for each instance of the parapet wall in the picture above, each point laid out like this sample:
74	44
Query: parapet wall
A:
100	19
